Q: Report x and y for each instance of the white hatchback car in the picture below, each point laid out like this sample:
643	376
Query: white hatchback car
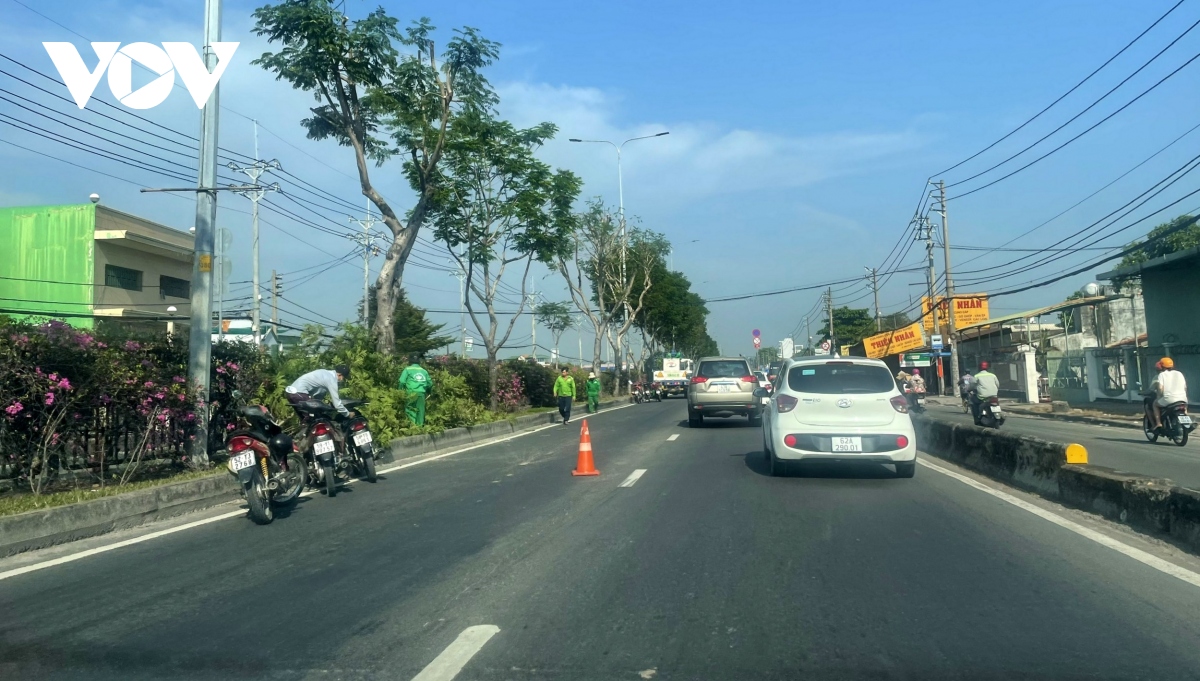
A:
838	409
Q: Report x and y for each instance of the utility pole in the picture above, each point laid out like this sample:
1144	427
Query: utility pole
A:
200	334
255	171
462	300
808	329
275	304
875	288
532	298
829	308
925	230
953	335
367	242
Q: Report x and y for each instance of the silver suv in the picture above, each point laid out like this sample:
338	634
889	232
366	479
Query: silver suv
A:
723	386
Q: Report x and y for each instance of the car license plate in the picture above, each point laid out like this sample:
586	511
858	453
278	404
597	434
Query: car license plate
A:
766	400
323	447
724	387
363	438
1185	420
240	461
847	444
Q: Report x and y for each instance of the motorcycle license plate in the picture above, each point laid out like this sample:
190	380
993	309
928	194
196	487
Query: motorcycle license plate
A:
239	461
847	444
995	409
361	439
323	447
1185	420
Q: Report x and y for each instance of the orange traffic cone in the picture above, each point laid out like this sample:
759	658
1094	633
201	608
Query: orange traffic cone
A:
585	465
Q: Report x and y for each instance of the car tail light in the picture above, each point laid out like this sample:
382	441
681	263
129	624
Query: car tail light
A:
749	379
321	429
785	403
993	400
358	426
900	404
240	444
699	379
901	442
789	440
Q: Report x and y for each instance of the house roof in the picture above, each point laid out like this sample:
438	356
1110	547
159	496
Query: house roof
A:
1176	260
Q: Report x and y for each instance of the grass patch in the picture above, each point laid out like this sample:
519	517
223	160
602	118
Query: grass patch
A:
13	504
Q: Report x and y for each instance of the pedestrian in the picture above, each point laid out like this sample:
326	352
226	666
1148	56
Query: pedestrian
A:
593	393
564	390
416	383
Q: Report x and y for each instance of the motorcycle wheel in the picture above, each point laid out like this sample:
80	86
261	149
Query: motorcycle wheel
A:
256	500
1150	433
297	473
1181	439
330	481
368	465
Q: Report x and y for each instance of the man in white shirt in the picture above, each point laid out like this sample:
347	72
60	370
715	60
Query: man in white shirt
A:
984	386
1169	387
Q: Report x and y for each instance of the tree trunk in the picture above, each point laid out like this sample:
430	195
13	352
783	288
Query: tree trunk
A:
493	380
597	347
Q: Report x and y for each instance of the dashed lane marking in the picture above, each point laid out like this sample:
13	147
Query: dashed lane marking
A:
633	477
674	437
450	662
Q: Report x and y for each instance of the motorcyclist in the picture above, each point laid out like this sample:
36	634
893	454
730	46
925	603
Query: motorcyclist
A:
316	384
984	386
1168	388
918	383
965	383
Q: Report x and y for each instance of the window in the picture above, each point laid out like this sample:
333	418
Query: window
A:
170	287
839	378
122	277
725	369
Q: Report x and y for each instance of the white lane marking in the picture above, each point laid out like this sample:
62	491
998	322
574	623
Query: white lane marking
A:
633	477
447	665
241	512
674	436
1166	567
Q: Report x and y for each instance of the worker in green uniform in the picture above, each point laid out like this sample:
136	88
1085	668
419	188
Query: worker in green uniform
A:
593	393
415	381
564	390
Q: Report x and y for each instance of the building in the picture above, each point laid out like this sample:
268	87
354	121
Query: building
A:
1171	291
89	264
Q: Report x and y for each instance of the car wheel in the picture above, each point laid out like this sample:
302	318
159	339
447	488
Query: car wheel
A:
755	419
906	469
695	420
774	464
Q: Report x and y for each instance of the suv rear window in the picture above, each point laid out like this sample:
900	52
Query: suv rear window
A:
838	378
726	369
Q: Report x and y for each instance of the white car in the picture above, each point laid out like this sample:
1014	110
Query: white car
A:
838	409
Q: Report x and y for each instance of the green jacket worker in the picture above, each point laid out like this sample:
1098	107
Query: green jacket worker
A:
415	381
592	387
564	390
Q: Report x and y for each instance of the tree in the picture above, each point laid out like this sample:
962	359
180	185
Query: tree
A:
896	320
766	355
592	244
1177	235
499	206
412	331
557	318
626	279
381	104
850	325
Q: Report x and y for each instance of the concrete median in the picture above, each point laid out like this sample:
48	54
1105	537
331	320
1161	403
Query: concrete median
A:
1153	505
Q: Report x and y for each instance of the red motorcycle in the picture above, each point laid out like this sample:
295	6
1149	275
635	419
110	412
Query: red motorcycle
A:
264	460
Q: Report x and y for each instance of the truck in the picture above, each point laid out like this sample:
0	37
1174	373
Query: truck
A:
673	375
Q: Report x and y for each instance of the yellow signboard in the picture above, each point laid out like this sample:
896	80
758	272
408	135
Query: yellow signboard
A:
969	310
895	342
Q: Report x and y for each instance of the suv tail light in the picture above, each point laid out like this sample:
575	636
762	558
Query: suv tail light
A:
785	403
321	429
699	379
240	444
900	403
749	379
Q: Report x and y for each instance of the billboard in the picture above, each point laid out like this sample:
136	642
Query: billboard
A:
969	310
893	342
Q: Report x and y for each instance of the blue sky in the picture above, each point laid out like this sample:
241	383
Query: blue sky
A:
802	134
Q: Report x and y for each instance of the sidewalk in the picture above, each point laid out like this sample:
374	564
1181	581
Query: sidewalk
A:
1118	414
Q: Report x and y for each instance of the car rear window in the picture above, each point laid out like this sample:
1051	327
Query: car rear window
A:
837	378
729	369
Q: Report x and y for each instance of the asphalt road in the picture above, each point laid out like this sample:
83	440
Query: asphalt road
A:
1125	449
703	568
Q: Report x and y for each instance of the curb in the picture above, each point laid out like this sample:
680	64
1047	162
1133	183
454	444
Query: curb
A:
60	524
1080	418
1156	506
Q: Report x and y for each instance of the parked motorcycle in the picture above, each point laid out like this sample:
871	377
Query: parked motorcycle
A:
359	441
319	444
1176	424
656	392
990	413
264	460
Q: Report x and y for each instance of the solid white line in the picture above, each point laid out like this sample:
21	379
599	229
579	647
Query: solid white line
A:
1166	567
674	436
447	665
240	512
633	477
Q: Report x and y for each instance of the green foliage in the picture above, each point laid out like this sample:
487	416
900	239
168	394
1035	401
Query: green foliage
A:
537	381
556	317
850	325
766	355
1177	235
413	332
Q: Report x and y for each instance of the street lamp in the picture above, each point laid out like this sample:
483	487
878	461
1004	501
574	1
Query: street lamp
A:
171	322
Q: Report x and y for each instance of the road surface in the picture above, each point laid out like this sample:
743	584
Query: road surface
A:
496	563
1124	449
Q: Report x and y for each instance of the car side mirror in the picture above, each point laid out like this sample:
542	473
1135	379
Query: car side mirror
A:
761	392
